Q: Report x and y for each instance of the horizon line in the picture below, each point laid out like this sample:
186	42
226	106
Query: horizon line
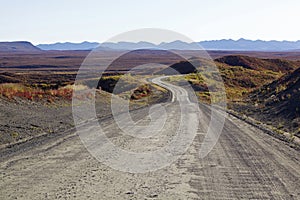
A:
213	40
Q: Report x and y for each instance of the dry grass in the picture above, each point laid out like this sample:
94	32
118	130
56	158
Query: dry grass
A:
13	90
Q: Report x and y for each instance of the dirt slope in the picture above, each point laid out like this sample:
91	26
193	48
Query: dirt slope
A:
280	100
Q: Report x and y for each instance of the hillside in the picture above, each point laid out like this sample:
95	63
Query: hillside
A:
21	46
277	65
182	67
276	104
241	74
281	97
244	74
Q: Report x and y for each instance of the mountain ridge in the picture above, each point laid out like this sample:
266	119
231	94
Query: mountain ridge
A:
69	46
223	44
18	46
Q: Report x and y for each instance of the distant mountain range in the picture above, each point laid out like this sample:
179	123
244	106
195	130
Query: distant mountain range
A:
251	45
241	44
69	46
20	46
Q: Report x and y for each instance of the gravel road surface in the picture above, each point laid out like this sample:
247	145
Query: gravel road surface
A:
245	163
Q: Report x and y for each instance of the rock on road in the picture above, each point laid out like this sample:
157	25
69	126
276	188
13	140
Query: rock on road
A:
245	163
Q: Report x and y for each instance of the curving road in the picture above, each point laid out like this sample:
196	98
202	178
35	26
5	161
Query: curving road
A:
245	163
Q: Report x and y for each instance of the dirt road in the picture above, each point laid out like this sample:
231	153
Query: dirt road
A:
244	164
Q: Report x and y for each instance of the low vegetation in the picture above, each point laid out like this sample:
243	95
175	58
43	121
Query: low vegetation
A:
279	101
127	86
15	90
141	91
238	81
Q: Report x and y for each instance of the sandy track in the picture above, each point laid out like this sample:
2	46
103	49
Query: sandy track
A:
245	164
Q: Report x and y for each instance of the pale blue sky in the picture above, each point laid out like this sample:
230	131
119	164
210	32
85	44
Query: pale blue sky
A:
51	21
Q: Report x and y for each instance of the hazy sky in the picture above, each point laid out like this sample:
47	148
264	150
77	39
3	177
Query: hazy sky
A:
51	21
